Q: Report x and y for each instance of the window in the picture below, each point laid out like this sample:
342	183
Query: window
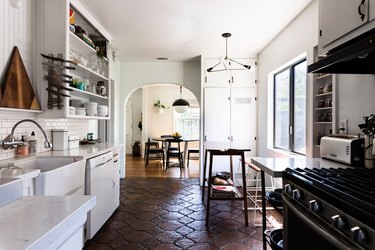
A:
290	108
187	123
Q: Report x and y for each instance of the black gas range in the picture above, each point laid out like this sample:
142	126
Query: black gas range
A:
329	208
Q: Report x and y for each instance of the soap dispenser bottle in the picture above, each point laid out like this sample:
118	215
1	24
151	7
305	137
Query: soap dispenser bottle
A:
33	144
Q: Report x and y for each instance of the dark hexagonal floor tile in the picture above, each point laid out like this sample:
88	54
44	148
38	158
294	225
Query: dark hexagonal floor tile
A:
184	243
156	213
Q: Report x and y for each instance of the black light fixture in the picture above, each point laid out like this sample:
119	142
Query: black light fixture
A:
227	61
180	105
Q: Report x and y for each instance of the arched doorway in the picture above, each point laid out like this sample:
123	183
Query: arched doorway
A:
143	120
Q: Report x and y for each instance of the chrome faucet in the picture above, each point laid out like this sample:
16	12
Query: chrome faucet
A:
10	142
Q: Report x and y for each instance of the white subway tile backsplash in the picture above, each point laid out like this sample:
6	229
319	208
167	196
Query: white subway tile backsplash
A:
75	127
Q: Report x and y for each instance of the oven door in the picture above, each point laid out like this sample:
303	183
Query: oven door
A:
303	230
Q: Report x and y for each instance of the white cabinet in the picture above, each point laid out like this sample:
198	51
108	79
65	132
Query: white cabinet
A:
55	36
324	104
230	118
238	78
340	21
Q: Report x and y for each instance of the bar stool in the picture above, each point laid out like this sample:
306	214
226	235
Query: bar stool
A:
252	191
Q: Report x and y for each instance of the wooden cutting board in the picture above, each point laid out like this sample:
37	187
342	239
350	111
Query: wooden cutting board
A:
18	92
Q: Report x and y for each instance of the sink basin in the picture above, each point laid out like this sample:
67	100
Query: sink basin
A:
58	175
11	172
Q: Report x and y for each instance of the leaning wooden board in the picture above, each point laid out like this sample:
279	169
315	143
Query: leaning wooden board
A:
17	91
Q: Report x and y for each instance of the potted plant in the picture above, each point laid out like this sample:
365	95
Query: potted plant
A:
160	107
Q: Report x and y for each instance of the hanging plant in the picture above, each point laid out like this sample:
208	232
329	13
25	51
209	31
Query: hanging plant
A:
159	106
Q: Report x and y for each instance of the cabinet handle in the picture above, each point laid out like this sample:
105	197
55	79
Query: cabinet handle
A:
363	15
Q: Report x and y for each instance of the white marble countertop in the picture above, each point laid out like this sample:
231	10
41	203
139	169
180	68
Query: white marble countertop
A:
35	222
86	151
275	166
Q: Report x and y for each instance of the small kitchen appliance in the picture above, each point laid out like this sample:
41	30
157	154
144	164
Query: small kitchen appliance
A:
60	139
347	149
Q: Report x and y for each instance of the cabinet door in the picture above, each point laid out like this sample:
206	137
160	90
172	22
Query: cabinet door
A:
371	10
216	117
337	18
243	78
218	79
243	118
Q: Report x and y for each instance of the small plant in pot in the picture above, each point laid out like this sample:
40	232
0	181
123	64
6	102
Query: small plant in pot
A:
160	107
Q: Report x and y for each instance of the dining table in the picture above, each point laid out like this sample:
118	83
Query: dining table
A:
186	141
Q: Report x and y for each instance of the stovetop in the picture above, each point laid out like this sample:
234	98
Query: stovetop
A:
350	189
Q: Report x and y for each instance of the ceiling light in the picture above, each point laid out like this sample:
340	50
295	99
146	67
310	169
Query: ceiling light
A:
226	63
180	105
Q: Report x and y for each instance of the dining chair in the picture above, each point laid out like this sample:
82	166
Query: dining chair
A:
174	151
158	153
191	151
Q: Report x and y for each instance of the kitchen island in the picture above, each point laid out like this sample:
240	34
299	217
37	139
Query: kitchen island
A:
44	222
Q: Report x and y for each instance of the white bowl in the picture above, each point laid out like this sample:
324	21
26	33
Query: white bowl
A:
90	104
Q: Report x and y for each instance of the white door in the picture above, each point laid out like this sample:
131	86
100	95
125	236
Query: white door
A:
243	119
337	18
216	117
129	126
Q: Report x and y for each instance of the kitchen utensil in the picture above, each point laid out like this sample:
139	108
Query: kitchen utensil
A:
274	238
90	136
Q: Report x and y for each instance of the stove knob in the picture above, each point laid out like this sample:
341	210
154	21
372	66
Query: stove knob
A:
297	194
358	235
315	206
288	189
339	222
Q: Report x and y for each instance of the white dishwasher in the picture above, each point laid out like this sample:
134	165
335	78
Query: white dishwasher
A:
102	180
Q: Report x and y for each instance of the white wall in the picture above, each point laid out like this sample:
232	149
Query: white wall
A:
355	93
356	99
136	113
298	37
17	28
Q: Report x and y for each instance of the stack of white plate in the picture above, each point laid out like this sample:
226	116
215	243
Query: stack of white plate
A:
80	111
76	103
72	110
91	108
102	110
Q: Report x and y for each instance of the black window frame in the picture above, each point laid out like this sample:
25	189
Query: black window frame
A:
291	70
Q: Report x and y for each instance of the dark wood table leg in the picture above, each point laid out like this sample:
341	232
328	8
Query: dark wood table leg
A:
263	209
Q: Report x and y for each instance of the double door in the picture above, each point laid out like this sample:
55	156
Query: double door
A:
230	118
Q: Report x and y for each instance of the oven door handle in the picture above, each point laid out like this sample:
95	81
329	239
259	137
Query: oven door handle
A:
320	230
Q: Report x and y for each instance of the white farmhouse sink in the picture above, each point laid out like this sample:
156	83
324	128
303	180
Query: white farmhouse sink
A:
10	190
58	175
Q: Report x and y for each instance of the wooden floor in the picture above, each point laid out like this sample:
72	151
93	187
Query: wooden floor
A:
135	167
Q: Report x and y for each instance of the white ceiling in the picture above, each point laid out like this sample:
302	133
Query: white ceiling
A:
184	29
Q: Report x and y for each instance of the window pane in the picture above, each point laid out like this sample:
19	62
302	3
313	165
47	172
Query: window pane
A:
187	123
299	140
282	110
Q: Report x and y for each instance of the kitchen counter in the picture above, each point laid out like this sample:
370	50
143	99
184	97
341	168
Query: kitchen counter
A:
86	151
41	222
275	166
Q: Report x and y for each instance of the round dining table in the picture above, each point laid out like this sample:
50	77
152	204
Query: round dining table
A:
183	139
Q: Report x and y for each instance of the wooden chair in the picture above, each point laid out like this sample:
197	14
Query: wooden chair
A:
174	151
153	144
158	153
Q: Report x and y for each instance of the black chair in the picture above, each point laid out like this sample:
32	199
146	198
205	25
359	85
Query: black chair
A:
191	151
156	153
174	151
153	144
